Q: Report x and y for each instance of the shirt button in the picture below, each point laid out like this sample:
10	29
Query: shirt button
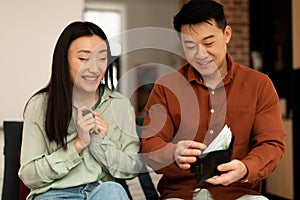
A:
211	132
212	92
212	110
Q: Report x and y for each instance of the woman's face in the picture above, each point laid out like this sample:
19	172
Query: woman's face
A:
87	58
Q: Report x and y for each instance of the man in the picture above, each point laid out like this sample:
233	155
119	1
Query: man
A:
187	109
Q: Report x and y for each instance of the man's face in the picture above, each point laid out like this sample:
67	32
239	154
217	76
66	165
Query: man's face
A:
205	47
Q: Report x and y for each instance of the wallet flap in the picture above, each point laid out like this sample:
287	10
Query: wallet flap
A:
206	164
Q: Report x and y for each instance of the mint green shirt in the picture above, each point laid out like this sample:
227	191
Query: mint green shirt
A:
45	165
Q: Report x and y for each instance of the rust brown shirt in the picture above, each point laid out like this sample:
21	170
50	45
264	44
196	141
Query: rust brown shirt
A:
181	107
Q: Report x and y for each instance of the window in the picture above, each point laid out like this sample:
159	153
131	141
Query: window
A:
110	17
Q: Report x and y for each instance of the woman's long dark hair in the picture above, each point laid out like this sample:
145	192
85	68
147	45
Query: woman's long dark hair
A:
60	87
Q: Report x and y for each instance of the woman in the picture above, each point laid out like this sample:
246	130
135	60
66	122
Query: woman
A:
79	135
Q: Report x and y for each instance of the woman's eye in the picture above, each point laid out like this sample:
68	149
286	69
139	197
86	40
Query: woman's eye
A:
103	59
84	59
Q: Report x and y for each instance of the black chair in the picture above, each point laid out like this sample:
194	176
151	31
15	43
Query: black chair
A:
12	144
13	187
144	177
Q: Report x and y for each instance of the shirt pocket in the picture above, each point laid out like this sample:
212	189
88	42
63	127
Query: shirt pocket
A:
240	120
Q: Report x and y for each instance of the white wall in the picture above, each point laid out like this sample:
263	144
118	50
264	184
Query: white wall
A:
145	13
29	30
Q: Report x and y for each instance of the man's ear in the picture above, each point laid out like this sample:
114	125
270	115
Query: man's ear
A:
227	33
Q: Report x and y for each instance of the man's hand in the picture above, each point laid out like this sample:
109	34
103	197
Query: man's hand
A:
186	153
233	171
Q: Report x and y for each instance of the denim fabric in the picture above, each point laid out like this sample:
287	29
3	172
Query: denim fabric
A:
92	191
252	197
204	194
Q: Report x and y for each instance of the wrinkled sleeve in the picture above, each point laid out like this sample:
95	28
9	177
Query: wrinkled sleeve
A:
268	135
38	166
118	151
157	134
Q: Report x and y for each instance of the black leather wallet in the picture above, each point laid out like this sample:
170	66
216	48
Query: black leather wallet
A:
206	164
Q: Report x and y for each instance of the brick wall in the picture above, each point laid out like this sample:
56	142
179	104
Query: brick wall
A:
237	13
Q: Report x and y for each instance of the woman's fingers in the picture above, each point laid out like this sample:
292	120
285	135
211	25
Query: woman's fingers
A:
101	126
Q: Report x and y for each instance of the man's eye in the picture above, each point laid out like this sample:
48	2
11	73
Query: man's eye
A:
209	44
84	59
190	47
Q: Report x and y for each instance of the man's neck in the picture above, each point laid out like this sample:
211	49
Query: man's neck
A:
215	79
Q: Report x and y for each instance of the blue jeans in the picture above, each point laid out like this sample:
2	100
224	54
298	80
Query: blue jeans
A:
92	191
204	194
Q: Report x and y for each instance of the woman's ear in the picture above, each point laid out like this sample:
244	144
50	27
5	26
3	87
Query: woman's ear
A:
227	33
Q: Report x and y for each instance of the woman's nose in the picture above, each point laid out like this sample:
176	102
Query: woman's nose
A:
94	66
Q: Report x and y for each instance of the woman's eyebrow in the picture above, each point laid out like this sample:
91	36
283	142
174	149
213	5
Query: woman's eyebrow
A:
102	51
84	51
88	51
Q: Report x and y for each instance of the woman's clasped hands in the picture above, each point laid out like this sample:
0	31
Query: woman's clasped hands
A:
89	122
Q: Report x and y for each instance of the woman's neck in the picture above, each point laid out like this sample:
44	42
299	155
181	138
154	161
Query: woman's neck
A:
82	98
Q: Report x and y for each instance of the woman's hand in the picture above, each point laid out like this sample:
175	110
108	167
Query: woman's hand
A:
88	122
85	125
101	126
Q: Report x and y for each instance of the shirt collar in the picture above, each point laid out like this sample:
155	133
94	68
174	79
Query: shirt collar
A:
108	93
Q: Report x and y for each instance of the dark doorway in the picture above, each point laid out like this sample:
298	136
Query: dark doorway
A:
271	37
271	41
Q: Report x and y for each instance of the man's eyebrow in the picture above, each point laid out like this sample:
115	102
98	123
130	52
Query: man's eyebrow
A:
190	41
208	37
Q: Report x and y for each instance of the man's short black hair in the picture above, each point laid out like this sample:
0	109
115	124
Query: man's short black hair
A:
196	11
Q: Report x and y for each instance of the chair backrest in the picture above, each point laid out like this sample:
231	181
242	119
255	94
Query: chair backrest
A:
142	186
13	187
12	144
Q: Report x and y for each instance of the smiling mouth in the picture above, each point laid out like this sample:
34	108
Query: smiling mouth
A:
90	78
204	62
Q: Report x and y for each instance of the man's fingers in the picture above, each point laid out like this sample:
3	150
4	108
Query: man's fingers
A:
188	144
187	159
184	166
189	148
191	152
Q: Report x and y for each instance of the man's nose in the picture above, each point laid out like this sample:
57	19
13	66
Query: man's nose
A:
201	52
